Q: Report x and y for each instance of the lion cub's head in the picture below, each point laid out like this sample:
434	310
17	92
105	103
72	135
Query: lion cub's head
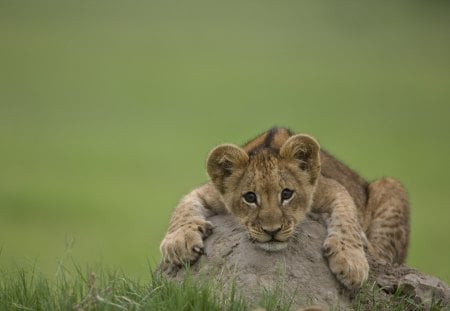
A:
268	191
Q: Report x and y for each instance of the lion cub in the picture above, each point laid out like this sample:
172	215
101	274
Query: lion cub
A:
272	182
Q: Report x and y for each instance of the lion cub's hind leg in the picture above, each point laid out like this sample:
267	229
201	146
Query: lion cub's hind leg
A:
387	216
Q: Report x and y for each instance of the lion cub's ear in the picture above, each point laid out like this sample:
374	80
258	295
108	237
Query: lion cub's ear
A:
306	150
223	161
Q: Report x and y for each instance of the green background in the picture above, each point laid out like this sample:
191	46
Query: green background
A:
108	110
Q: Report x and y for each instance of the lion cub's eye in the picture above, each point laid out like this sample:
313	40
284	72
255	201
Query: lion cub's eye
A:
250	197
286	194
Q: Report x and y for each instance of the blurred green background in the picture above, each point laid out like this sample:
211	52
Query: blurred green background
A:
108	110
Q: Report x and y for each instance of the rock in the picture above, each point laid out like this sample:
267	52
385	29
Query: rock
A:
299	272
424	289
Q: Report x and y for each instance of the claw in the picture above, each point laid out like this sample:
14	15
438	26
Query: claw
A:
205	231
199	250
328	251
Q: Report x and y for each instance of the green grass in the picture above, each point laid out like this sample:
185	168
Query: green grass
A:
97	288
26	289
108	111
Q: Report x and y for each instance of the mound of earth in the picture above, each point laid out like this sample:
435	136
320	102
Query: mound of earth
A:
299	272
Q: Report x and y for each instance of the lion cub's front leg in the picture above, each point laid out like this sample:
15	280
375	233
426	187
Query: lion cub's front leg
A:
188	227
344	245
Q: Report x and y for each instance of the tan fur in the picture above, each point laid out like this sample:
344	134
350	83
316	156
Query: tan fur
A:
359	215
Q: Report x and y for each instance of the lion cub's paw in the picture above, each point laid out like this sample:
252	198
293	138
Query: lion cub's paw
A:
185	244
348	263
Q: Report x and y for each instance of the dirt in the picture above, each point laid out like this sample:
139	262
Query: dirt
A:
299	272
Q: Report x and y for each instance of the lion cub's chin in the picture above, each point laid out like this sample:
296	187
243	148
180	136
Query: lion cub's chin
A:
272	246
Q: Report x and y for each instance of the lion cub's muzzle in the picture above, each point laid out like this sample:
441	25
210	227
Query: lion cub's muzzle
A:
271	240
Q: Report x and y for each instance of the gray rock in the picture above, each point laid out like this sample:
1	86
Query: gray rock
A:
299	272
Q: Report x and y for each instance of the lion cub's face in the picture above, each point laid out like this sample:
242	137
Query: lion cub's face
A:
270	191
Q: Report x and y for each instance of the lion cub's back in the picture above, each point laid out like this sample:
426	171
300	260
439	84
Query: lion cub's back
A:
355	184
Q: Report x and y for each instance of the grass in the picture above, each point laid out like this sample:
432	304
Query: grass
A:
26	289
101	289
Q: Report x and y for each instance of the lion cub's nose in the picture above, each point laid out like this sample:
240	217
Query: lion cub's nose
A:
272	231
